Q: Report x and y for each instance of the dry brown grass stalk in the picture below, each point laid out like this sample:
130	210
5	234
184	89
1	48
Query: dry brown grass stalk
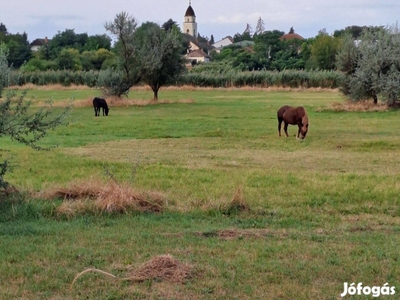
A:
236	204
162	267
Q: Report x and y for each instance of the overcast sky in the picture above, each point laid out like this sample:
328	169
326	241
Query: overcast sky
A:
220	18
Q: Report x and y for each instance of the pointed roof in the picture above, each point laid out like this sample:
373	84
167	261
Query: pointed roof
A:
190	11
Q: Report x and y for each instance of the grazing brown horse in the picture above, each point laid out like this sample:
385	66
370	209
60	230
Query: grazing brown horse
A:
293	116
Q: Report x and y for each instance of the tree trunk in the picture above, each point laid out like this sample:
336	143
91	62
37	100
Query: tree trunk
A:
155	92
375	97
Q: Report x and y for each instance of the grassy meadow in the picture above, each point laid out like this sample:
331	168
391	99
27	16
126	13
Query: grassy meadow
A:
254	215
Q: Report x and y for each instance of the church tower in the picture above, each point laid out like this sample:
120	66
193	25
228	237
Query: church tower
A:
189	23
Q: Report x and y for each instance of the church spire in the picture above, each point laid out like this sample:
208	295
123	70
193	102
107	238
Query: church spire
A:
189	23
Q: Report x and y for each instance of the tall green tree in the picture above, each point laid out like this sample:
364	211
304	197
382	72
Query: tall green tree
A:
3	29
19	48
96	42
169	25
323	51
266	47
346	62
68	59
67	39
373	65
123	28
159	53
5	71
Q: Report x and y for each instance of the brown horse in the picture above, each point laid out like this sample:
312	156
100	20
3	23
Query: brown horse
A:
293	116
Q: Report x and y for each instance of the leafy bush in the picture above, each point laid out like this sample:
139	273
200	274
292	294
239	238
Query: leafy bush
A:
112	82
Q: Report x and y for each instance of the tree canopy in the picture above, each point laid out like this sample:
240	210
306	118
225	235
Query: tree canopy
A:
159	53
372	65
147	53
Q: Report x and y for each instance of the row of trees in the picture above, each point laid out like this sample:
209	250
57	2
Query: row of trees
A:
367	56
271	52
73	51
66	50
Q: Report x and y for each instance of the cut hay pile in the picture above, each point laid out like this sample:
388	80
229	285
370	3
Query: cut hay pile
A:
163	268
96	195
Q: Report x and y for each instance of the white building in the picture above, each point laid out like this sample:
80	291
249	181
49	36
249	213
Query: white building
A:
226	41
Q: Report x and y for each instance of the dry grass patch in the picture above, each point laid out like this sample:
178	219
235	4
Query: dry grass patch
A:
115	102
50	87
121	102
88	195
242	88
361	106
163	268
236	204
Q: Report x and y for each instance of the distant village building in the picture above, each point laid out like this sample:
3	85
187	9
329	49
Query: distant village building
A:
226	41
198	52
38	43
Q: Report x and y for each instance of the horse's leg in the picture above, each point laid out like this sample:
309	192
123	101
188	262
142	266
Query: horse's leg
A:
298	133
279	125
285	129
95	111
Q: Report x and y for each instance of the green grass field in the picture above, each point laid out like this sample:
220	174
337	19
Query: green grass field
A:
321	211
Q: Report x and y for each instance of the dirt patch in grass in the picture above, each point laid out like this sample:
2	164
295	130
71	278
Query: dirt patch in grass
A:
231	234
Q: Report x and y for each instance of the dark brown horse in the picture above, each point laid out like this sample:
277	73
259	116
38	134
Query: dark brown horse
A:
100	103
293	116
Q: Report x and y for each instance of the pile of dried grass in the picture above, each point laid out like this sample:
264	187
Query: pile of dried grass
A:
356	106
94	194
162	267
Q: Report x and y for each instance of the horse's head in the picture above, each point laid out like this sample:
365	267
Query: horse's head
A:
304	126
106	110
